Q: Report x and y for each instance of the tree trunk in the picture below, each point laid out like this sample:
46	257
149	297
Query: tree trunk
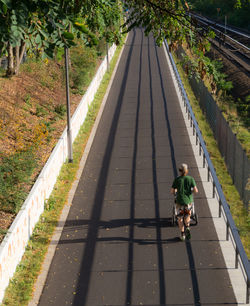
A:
10	69
19	56
16	59
23	45
15	56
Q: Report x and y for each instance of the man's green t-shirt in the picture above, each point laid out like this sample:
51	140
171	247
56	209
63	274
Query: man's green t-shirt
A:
183	184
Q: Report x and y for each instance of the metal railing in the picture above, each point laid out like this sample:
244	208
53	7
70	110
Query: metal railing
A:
237	162
240	254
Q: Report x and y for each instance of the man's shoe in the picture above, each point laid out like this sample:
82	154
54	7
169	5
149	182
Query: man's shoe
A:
188	233
182	236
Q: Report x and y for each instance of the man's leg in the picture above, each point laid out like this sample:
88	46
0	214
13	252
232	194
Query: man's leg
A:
187	223
181	224
187	219
181	227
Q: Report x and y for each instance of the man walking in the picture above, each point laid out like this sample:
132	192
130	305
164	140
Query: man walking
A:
183	186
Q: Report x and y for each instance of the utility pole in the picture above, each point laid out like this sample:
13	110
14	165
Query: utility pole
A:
69	133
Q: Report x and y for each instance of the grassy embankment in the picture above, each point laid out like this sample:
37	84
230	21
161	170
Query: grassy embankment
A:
32	118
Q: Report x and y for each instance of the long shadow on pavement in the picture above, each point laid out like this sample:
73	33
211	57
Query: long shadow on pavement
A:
87	262
196	293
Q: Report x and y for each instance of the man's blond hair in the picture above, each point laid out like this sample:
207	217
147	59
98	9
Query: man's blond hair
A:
183	169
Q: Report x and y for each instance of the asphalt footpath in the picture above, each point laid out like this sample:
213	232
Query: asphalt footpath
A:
118	246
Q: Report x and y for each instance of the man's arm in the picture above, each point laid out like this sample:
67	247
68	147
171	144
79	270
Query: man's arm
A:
195	190
173	190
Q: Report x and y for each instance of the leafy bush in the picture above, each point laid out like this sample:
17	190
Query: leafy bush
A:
101	48
41	111
15	172
243	108
194	66
60	109
83	62
27	99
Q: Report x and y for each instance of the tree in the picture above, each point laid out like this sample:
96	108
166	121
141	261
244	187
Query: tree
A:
15	17
172	20
107	21
165	19
49	24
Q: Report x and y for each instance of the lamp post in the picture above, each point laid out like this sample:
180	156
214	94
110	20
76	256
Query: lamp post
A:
69	133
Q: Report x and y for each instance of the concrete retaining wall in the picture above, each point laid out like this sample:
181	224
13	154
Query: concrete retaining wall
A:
15	241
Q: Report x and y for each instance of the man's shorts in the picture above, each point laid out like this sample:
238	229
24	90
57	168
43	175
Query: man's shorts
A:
183	210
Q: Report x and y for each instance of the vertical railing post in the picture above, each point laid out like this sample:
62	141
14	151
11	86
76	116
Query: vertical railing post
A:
220	208
213	189
236	258
227	230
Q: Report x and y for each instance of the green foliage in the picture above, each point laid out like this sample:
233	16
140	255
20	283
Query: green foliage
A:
48	125
83	61
27	99
59	54
224	85
60	109
164	19
50	204
108	18
47	26
2	72
15	171
101	48
200	65
2	232
237	11
243	108
40	111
